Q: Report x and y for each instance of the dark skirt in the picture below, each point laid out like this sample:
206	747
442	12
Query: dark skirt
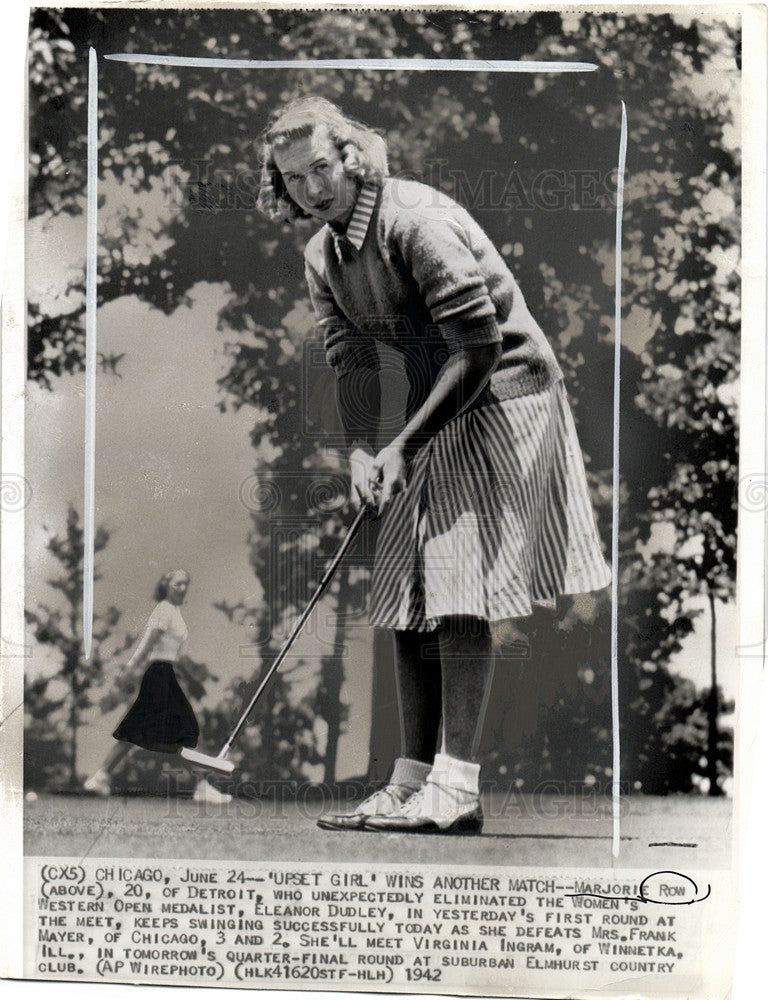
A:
161	718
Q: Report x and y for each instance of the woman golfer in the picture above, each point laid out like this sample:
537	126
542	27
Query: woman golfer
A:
161	718
482	493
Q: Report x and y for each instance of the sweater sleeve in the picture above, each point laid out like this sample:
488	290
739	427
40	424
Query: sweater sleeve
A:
346	347
436	249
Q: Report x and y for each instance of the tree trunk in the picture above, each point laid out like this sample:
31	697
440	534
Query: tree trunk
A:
714	786
268	727
332	679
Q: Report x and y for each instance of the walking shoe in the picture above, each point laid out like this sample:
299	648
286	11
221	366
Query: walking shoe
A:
407	777
447	803
98	784
205	792
386	802
455	815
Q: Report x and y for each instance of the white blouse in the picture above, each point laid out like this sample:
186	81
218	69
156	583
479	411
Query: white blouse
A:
167	618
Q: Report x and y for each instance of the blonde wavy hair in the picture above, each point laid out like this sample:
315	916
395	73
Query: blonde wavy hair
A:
363	151
163	584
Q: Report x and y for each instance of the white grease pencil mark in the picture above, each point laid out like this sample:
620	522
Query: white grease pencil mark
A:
463	65
616	775
90	350
460	65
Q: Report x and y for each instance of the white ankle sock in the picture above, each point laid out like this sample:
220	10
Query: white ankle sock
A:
410	773
461	775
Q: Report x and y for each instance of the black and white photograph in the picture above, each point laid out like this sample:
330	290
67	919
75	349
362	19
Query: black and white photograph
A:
391	514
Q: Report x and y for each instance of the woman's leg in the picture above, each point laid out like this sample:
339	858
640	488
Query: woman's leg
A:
204	790
101	781
419	693
417	674
466	663
115	755
449	801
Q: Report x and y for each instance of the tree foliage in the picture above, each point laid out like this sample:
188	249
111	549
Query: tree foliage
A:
55	702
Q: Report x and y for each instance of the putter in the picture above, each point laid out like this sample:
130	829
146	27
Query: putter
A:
220	762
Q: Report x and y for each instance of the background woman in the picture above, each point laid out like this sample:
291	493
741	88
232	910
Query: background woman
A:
483	496
161	718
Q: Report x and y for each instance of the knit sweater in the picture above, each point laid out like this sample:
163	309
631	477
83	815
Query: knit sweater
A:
427	281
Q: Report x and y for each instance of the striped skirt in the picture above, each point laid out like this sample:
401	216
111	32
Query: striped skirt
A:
496	518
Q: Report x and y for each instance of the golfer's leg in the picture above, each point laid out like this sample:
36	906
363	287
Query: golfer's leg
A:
450	799
466	661
419	694
417	672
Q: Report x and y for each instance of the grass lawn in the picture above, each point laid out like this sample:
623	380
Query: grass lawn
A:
674	833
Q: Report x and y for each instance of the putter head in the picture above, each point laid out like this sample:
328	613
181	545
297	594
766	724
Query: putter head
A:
204	760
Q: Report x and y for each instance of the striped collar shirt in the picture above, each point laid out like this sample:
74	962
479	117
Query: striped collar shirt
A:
357	227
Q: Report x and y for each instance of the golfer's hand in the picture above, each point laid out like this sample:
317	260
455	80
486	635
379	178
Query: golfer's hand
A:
360	463
387	476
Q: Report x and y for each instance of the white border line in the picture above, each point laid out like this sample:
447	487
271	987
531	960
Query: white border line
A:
16	491
90	348
616	774
509	66
456	65
464	65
